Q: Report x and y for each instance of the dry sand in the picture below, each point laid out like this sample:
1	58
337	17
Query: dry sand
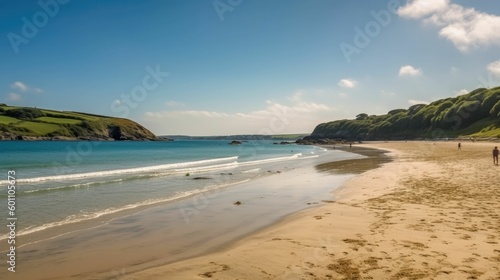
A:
432	213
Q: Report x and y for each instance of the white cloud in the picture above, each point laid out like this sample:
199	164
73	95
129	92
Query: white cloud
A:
24	87
410	71
14	97
297	115
347	83
20	86
192	113
461	92
422	8
494	68
203	114
466	28
415	102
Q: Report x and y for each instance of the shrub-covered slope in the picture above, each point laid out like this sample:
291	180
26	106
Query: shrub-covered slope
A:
476	114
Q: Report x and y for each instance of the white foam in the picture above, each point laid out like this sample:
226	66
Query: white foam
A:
251	170
75	186
254	162
146	169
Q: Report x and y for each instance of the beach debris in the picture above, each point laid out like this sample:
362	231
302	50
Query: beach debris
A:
234	142
230	173
237	203
202	178
187	174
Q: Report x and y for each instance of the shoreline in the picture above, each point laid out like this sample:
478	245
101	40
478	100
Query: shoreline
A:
399	220
341	167
161	234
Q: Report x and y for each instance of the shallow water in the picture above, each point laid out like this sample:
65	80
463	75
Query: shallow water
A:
60	183
103	225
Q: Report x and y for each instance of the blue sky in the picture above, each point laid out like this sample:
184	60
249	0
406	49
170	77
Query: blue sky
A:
240	66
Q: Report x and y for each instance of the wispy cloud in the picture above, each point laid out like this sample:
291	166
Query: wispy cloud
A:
14	97
415	102
494	68
348	83
461	92
295	115
174	104
466	28
297	96
20	86
387	94
343	95
181	113
24	87
409	71
421	8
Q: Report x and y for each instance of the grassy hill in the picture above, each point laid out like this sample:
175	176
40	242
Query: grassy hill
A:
34	123
476	114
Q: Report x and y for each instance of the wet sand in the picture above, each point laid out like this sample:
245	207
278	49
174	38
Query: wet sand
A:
432	213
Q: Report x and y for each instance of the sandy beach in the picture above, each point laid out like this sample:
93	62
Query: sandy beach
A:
431	213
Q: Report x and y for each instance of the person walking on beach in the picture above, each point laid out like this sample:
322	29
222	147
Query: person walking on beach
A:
459	146
495	156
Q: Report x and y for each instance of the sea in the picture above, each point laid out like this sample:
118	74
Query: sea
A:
60	183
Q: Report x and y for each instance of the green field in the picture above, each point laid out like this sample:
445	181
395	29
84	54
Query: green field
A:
59	120
38	122
7	120
8	107
72	115
39	128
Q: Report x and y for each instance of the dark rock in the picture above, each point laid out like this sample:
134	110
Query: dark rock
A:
202	178
237	203
234	142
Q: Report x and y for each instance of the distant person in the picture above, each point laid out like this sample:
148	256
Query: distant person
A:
495	156
459	146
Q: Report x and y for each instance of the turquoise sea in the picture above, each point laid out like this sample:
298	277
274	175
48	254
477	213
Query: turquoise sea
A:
62	183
